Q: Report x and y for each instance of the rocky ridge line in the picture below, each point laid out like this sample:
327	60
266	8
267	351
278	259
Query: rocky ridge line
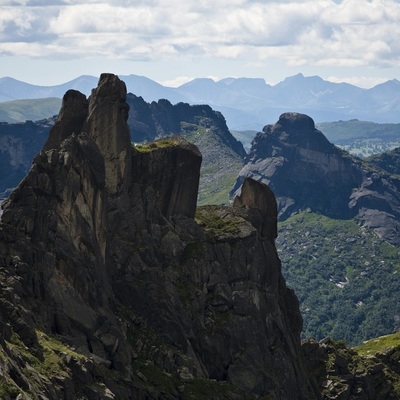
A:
108	268
306	171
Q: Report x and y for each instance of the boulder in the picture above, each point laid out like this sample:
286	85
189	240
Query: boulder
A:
261	200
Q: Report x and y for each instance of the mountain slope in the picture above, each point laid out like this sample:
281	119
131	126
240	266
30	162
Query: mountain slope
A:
389	161
346	278
29	110
19	143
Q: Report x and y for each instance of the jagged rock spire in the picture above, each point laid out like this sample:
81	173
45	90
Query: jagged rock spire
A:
107	125
104	118
70	119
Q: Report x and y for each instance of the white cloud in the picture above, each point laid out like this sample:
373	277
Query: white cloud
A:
324	32
15	23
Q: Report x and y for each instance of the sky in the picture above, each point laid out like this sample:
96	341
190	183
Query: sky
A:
48	42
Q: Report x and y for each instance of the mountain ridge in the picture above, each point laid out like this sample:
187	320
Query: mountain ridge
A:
251	98
199	124
115	286
305	170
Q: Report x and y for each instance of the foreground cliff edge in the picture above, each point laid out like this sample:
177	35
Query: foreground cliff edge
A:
106	273
113	285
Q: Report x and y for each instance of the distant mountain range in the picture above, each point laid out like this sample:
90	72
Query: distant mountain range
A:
246	103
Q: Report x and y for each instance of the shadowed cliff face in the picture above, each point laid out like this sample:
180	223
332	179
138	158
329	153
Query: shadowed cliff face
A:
102	250
306	171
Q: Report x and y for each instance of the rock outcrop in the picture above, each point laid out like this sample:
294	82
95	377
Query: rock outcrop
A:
389	161
346	374
114	286
305	170
260	200
169	172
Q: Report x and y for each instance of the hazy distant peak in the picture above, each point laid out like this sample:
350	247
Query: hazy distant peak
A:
246	103
198	81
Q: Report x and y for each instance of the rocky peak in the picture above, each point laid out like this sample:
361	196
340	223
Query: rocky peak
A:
107	125
302	167
299	129
297	121
305	170
104	118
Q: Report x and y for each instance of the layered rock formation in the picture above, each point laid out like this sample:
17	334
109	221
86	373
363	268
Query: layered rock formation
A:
306	171
110	288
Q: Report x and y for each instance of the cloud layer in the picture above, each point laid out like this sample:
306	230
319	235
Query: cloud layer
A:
303	32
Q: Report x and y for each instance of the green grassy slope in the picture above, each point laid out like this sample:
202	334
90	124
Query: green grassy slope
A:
345	277
29	110
220	166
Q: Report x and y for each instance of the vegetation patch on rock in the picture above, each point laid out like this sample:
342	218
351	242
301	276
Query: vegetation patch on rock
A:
157	144
221	222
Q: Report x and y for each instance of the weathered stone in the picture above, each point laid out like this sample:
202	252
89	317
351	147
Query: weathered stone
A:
114	264
260	199
106	124
185	375
70	119
169	174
